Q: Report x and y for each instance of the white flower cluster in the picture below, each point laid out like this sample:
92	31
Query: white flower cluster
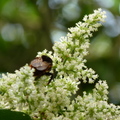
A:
20	91
71	50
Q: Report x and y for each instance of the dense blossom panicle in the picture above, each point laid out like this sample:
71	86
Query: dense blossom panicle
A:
21	92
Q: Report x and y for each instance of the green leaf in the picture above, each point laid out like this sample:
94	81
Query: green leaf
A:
6	114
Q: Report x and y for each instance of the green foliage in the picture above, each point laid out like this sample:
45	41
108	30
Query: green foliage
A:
12	115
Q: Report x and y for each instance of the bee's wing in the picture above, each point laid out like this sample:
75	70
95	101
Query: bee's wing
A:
39	64
43	66
35	63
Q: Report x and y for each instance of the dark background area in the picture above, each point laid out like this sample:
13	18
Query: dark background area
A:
29	26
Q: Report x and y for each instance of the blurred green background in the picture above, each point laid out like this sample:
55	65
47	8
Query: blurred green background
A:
29	26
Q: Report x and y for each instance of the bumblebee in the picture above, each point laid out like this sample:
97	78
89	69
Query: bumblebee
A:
42	66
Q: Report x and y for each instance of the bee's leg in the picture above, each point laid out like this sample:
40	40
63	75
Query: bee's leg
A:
51	78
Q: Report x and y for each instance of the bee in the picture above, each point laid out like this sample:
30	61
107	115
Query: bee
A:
42	66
